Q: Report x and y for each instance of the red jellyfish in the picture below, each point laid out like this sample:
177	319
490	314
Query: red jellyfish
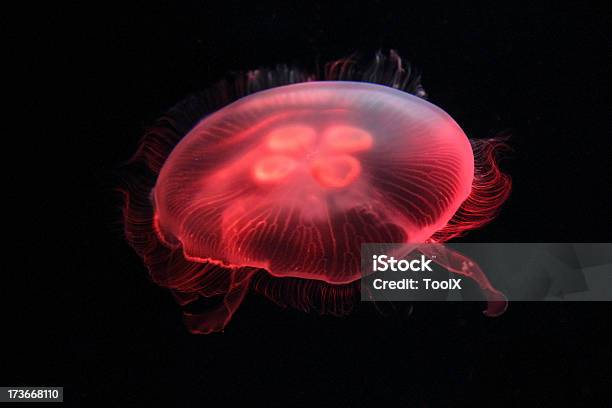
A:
273	182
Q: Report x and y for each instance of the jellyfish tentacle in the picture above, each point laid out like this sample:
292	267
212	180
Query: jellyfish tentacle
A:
216	318
454	261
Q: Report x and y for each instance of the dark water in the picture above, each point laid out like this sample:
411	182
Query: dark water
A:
106	333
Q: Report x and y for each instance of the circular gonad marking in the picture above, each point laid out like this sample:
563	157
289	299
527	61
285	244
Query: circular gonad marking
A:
274	187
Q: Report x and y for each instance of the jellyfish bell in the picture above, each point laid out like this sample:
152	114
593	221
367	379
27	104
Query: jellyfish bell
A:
293	173
278	189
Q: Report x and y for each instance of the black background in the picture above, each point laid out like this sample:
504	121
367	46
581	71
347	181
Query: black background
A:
110	336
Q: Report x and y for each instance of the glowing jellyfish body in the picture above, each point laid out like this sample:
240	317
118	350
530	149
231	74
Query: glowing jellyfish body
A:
294	179
277	191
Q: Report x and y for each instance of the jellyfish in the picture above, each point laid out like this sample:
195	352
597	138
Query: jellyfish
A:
272	181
